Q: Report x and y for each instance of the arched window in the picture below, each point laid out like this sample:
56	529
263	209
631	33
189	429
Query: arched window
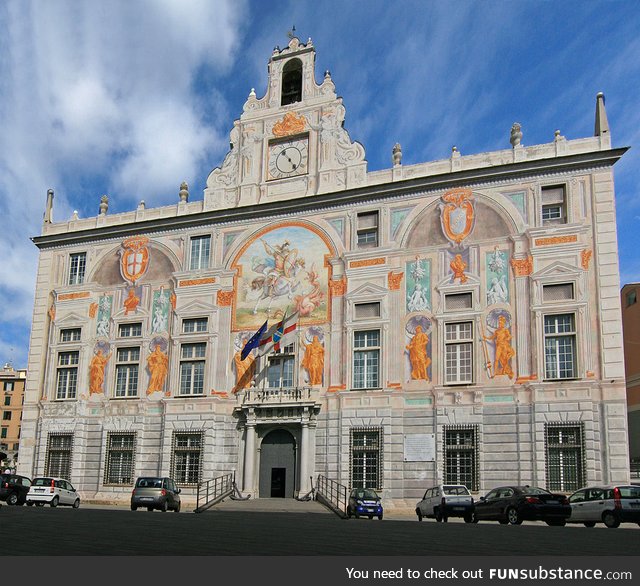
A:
291	82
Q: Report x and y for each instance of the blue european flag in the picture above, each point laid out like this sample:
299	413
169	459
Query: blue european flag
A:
254	341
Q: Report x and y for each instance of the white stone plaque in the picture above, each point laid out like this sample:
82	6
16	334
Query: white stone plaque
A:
420	447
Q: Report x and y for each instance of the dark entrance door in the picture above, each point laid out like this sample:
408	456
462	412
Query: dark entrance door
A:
277	465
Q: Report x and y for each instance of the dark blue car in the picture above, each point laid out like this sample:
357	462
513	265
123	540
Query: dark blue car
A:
364	502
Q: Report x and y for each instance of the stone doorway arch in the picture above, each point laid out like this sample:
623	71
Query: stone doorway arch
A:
277	465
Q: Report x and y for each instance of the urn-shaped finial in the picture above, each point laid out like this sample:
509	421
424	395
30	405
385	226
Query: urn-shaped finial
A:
104	205
184	191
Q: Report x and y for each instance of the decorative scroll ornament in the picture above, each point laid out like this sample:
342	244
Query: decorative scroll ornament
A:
522	266
585	258
394	280
290	124
135	258
457	214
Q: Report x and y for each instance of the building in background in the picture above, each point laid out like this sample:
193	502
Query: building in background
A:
631	330
12	383
456	320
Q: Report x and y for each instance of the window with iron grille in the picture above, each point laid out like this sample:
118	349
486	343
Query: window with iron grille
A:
461	455
77	267
200	251
367	310
67	375
458	301
554	205
192	368
130	330
559	346
119	467
565	456
559	292
186	457
58	459
281	368
458	353
367	231
366	457
194	325
70	334
366	359
127	365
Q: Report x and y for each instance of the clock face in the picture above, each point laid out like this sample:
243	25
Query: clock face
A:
289	158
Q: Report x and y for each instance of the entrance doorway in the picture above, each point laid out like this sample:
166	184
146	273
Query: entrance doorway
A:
277	465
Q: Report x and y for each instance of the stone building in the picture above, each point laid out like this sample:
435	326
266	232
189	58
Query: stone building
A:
457	320
631	329
12	383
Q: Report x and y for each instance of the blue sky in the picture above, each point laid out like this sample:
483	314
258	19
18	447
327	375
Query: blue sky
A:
130	98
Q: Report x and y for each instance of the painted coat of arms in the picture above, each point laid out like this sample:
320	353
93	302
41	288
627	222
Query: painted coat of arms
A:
457	215
134	258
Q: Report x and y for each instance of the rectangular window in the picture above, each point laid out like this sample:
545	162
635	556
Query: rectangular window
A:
559	346
3	433
7	400
366	359
192	369
8	385
565	456
186	458
194	325
367	230
281	368
366	457
459	353
77	267
6	416
554	205
200	250
130	330
461	455
70	335
127	364
119	466
458	301
367	310
58	459
555	293
67	375
632	298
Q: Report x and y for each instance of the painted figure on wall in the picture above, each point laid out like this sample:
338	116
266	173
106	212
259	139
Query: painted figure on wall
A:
313	360
418	285
131	302
458	267
96	372
104	315
504	351
158	365
497	277
161	301
418	357
245	369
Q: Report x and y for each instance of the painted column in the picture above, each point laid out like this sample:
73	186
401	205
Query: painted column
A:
304	460
249	458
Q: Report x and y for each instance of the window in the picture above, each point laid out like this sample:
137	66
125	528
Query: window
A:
461	455
291	82
192	369
6	416
8	385
459	353
127	360
58	460
3	432
70	335
367	310
458	301
7	400
77	267
186	458
67	375
632	297
120	458
553	205
200	250
559	346
555	293
367	230
366	457
565	456
366	359
281	367
194	325
130	330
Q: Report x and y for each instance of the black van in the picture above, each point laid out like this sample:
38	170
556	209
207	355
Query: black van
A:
14	488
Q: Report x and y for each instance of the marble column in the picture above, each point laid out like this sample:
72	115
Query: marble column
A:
249	458
304	460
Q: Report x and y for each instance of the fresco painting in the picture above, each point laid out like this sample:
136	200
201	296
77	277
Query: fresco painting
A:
497	263
418	285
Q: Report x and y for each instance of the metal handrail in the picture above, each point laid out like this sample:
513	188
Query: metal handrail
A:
332	494
213	491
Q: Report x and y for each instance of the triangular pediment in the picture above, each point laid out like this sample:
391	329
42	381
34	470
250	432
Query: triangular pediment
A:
557	269
71	319
449	283
368	290
196	306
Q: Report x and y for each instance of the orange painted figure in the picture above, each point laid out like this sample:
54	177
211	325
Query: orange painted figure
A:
158	364
504	350
458	266
245	369
96	372
313	360
418	355
131	302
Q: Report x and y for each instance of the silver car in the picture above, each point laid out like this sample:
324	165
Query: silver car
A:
608	504
155	492
444	501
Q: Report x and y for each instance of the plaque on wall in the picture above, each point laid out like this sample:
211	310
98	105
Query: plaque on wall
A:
420	447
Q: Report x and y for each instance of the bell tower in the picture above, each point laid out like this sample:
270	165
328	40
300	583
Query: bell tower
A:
290	143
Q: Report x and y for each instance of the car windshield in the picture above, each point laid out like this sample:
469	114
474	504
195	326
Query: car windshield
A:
149	483
534	490
453	490
366	493
42	481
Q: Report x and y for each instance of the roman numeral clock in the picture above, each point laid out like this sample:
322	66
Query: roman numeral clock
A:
288	158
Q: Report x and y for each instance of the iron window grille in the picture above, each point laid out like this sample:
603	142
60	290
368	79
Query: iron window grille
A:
67	375
460	447
120	459
558	292
58	458
192	369
366	359
367	310
200	252
186	457
565	451
77	268
366	460
459	353
559	346
127	367
458	301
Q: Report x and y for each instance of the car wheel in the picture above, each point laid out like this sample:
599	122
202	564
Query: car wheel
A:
380	516
76	504
54	502
419	514
474	518
556	523
177	509
469	518
610	520
592	523
134	507
165	507
40	504
12	499
438	515
513	516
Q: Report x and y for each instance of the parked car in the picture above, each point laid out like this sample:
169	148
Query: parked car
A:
608	504
155	492
54	491
364	502
515	504
444	501
14	488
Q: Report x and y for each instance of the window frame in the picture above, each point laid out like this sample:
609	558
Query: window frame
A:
77	268
365	352
196	321
70	384
122	365
125	326
459	343
377	447
564	449
198	260
470	449
560	204
59	469
193	362
188	449
125	451
557	335
363	234
71	332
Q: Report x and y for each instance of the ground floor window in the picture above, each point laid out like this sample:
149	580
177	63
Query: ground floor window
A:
366	457
565	456
58	459
120	458
186	457
461	455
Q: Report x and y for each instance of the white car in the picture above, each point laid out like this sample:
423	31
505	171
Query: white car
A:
54	491
608	504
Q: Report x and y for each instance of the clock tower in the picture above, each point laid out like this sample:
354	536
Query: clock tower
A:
289	143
